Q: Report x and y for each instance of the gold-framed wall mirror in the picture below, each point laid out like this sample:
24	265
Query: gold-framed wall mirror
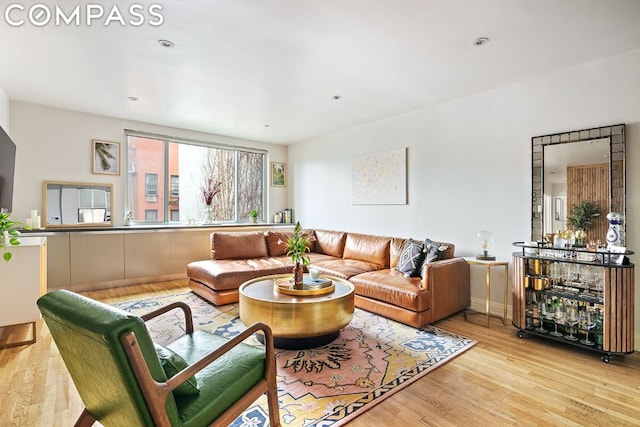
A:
77	204
571	167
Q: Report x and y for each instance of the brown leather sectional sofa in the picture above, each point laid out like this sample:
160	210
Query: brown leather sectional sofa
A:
367	261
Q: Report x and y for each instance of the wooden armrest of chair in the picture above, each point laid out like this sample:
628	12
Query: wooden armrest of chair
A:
188	317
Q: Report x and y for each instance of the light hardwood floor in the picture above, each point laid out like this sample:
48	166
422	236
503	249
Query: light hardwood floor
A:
503	380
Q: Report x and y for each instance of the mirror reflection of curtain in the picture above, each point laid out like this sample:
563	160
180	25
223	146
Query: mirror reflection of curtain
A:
548	214
69	202
590	183
54	214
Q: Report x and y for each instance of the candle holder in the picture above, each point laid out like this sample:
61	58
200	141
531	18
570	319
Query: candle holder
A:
485	246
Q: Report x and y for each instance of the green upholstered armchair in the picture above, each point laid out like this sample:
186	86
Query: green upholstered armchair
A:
123	381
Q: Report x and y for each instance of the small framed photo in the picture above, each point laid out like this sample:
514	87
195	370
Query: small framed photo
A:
278	174
105	157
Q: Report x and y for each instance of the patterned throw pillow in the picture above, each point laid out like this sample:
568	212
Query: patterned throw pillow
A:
433	250
172	363
411	258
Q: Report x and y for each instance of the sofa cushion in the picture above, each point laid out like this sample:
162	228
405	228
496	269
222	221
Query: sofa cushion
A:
364	247
344	268
411	258
272	238
330	242
393	287
172	363
435	251
227	245
395	250
315	257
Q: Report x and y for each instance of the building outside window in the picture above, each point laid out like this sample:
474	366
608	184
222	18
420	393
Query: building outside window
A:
169	176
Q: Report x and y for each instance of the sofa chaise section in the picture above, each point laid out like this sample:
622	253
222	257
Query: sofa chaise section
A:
235	258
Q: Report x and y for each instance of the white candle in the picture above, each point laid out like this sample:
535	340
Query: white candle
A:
34	213
27	222
35	222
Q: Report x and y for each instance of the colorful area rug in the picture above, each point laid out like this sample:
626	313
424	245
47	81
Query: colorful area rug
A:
372	358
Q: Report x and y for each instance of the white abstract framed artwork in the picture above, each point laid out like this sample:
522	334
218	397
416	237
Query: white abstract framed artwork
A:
380	178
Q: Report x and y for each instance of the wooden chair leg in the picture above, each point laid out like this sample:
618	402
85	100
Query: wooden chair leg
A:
274	410
85	419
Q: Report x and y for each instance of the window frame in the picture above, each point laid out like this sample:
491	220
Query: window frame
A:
167	193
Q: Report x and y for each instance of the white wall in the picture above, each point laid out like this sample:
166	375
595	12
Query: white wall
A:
469	161
55	145
4	111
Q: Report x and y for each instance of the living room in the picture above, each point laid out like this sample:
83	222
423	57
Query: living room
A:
468	157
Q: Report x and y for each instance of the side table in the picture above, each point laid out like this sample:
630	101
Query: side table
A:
488	265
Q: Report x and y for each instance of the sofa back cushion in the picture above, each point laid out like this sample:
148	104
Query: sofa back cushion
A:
397	244
272	238
275	249
227	245
368	248
330	242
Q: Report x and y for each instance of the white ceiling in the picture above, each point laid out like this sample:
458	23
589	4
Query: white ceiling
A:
239	65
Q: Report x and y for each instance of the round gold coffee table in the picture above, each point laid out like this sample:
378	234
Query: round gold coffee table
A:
297	321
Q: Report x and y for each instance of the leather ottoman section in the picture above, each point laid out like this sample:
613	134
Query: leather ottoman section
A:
230	274
399	314
345	268
215	297
394	288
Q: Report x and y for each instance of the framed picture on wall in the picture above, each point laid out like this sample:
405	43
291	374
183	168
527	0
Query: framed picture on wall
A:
278	174
105	157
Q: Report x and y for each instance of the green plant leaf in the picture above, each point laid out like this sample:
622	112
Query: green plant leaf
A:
582	215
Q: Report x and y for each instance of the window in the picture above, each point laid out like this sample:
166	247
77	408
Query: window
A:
151	185
175	174
150	215
175	186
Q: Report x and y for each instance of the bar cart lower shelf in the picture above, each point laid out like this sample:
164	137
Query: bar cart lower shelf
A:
605	356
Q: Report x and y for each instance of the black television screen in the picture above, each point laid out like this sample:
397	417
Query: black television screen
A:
7	169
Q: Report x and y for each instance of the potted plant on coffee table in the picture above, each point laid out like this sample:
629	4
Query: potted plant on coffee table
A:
297	247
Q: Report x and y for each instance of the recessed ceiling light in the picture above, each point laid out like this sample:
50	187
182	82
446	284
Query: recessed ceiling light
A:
267	126
337	96
166	43
480	41
132	98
